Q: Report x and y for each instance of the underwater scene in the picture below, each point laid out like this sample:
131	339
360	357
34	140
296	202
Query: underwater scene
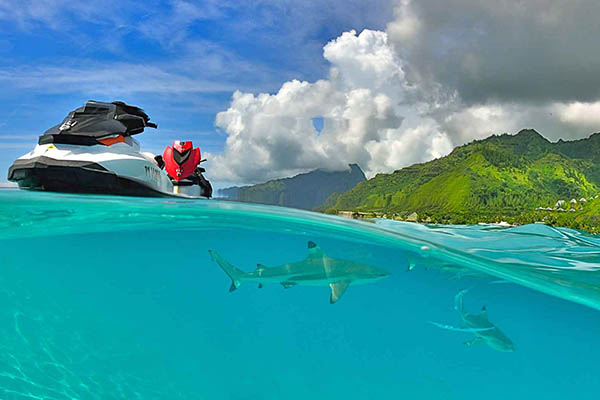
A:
135	298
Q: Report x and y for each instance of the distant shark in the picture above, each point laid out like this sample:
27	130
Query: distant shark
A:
453	270
316	270
480	326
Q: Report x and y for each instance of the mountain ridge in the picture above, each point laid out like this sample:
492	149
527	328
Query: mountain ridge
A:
501	175
305	191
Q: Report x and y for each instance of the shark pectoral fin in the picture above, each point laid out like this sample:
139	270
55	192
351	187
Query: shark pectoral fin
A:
474	341
232	287
462	328
337	290
448	327
411	262
288	285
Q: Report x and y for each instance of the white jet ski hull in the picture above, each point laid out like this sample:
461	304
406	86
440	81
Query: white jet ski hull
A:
119	169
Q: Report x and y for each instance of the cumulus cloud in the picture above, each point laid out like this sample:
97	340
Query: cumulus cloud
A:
272	135
373	115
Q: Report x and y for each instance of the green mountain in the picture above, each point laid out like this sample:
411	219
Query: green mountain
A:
498	177
305	191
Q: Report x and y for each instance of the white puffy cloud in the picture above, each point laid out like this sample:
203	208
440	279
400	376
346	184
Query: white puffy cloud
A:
362	105
477	122
364	61
372	116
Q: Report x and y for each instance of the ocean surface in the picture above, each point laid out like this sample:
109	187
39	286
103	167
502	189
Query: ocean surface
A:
118	298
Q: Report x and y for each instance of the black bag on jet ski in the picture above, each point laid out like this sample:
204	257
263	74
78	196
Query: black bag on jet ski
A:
98	123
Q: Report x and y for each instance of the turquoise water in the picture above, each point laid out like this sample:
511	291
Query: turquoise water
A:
118	298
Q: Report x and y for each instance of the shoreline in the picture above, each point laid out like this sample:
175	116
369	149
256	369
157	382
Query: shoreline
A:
584	219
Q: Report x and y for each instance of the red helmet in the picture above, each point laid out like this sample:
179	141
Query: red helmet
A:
181	160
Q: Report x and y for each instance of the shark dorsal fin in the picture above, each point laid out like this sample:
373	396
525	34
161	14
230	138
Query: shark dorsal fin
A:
337	290
260	267
314	251
484	312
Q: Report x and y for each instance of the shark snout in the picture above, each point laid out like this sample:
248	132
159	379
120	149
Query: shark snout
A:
370	273
379	274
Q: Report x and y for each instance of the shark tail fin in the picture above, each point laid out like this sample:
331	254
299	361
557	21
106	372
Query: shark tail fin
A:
234	273
458	300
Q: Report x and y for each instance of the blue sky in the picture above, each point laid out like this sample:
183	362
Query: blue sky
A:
272	88
180	61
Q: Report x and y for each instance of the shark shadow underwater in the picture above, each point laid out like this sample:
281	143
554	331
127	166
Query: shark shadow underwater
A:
317	269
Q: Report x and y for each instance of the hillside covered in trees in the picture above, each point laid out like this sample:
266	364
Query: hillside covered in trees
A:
500	177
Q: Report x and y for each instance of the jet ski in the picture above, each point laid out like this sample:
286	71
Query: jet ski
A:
93	151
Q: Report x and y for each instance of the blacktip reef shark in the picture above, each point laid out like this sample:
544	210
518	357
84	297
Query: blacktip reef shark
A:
480	326
315	270
454	271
